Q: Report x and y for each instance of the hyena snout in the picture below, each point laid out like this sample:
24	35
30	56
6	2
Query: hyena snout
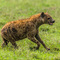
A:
53	21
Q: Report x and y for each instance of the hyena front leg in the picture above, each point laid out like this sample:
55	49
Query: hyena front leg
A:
35	41
31	36
5	42
39	39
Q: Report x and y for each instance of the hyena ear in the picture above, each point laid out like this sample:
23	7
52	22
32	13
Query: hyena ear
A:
42	14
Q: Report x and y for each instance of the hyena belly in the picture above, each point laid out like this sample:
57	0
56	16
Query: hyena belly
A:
13	32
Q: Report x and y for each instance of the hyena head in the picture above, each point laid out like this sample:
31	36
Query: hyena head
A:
46	18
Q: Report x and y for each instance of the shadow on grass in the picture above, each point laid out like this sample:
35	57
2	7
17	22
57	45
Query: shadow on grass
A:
45	29
56	49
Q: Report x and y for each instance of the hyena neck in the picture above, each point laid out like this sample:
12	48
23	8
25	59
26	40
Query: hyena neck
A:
37	20
39	23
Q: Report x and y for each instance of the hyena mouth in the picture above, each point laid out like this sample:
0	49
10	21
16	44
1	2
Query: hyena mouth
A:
51	23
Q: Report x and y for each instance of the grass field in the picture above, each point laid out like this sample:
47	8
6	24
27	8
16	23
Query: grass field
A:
11	10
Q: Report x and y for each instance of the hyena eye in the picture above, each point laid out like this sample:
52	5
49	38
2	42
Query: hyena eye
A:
48	18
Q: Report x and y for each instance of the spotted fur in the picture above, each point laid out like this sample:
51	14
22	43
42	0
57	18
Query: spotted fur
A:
25	28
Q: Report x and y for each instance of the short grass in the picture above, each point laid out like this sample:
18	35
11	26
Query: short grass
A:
11	10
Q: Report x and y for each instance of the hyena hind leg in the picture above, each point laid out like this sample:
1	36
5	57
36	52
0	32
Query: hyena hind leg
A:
14	44
5	42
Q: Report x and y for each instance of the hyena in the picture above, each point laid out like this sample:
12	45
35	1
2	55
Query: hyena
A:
25	28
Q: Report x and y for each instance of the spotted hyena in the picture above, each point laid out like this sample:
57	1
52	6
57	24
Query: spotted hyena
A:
25	28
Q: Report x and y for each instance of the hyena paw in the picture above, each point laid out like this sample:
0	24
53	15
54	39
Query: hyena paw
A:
48	48
34	48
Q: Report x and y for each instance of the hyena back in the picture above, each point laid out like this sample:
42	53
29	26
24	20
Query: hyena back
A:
25	28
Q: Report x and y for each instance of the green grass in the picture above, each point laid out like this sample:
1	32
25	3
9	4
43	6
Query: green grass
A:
11	10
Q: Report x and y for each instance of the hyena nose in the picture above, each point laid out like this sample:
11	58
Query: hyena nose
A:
53	21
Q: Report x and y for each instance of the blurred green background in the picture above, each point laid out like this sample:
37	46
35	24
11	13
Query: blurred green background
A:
11	10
